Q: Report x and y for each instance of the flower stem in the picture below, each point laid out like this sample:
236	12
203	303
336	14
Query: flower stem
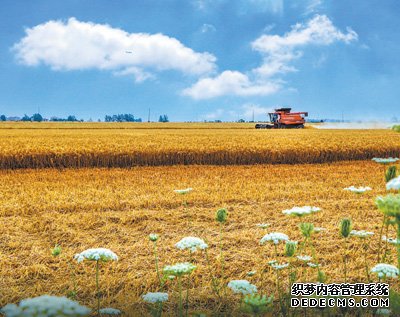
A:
365	247
180	295
221	256
213	279
97	288
156	259
380	237
345	260
386	242
397	242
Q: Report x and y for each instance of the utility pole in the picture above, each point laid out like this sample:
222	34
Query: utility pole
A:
148	118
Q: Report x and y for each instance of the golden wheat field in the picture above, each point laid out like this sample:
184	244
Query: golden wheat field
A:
142	144
117	208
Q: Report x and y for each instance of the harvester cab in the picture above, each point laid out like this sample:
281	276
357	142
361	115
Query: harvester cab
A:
283	118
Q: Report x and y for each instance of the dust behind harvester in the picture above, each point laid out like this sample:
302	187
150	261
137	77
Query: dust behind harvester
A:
282	118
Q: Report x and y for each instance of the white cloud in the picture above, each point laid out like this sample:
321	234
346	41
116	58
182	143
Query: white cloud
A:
75	45
278	54
273	6
229	83
257	110
207	28
279	51
312	6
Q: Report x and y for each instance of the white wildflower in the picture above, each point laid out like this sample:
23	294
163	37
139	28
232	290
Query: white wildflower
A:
385	270
183	191
305	258
272	262
263	225
385	160
100	254
191	243
110	311
274	237
319	229
393	184
242	286
278	266
155	297
383	311
361	233
390	240
313	265
301	211
358	190
153	237
46	306
179	269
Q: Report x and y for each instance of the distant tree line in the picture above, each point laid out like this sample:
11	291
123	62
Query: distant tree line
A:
127	117
37	117
163	118
70	118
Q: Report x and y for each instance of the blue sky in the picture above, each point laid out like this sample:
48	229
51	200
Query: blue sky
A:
200	59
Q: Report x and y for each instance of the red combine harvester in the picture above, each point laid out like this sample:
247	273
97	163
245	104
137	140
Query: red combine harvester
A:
282	118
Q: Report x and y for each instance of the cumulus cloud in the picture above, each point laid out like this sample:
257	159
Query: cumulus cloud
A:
229	83
76	45
279	51
250	109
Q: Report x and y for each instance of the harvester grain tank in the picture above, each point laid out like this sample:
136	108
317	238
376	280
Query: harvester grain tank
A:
283	118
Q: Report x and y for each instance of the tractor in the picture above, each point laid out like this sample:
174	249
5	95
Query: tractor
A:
282	118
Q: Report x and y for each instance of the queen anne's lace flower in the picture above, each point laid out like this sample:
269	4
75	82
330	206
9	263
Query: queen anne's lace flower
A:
153	237
390	240
46	306
393	184
358	190
155	297
183	191
301	211
385	270
305	258
191	243
383	312
389	205
274	237
361	233
179	269
110	311
388	160
263	225
278	266
313	265
100	254
242	287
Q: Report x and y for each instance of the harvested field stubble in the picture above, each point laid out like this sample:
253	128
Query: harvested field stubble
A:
126	147
118	208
